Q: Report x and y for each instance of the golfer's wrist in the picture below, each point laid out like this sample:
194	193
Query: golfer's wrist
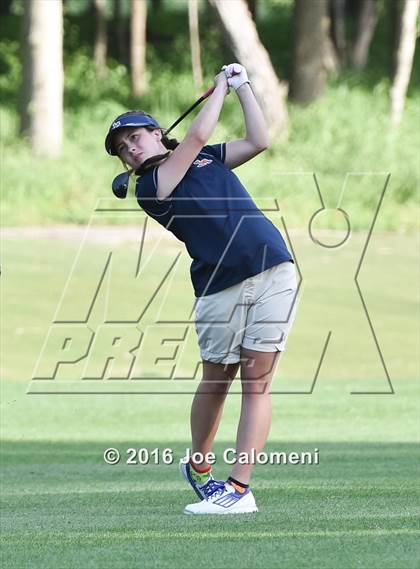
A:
222	89
246	95
241	88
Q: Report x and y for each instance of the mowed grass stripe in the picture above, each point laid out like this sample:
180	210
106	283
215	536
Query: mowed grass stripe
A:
145	535
172	486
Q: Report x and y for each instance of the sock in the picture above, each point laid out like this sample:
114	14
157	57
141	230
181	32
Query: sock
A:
239	486
199	475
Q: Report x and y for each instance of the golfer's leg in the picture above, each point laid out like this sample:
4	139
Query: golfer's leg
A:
207	406
257	370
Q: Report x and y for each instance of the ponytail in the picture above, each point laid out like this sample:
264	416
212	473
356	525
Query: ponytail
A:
169	143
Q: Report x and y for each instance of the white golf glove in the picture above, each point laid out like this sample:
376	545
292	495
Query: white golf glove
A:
236	75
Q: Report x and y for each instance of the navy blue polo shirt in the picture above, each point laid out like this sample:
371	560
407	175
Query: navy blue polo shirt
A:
226	235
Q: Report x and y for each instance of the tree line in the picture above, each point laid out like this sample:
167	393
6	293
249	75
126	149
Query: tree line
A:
322	44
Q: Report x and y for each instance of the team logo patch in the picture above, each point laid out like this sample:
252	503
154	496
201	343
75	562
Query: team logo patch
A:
202	162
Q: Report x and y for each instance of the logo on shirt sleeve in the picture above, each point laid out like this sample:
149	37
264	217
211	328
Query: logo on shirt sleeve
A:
202	162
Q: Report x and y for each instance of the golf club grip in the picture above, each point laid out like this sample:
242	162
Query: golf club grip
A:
207	93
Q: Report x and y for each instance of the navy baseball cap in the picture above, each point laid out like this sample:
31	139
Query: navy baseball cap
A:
131	119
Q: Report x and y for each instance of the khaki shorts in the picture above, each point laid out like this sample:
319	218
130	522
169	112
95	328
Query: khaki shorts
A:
256	313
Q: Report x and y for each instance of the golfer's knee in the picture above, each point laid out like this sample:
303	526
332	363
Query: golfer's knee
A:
252	387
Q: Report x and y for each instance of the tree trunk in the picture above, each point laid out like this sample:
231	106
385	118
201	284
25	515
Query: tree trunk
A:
331	59
138	47
338	27
395	20
122	33
100	38
405	55
252	7
42	89
366	24
248	49
310	31
195	43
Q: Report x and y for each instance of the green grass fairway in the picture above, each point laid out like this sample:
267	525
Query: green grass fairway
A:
64	507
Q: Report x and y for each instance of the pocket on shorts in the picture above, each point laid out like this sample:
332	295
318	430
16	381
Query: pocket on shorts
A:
220	320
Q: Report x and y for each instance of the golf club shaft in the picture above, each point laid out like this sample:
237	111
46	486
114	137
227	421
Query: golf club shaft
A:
198	101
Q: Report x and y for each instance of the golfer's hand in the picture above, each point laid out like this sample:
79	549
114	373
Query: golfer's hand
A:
221	79
236	75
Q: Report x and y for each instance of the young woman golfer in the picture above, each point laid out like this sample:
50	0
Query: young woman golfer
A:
242	273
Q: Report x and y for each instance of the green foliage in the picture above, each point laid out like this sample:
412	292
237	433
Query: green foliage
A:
17	7
347	130
83	88
76	7
10	71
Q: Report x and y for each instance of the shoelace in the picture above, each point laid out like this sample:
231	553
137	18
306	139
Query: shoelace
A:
213	487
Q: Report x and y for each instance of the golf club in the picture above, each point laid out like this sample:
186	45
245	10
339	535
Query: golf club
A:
120	182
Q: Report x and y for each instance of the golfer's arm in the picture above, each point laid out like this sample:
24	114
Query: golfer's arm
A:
172	171
204	124
256	127
256	138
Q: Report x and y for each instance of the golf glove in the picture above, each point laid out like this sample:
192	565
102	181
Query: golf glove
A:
236	75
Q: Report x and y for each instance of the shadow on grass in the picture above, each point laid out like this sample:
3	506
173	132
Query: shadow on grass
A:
64	507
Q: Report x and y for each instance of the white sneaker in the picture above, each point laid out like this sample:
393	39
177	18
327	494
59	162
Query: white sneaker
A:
224	499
